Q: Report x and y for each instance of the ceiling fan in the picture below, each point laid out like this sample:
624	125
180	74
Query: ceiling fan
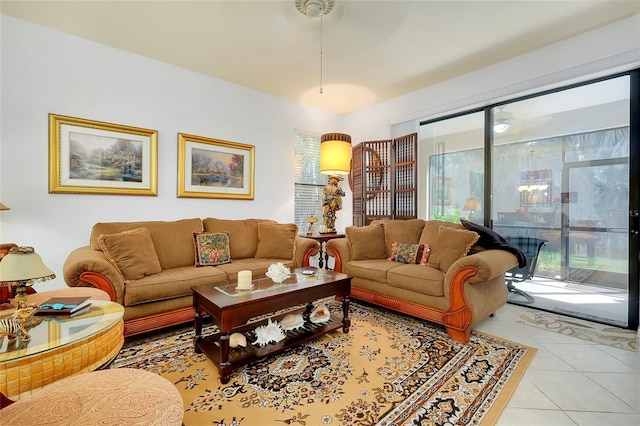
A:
315	9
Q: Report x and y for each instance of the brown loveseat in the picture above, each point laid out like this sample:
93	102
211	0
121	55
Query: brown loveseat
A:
451	287
149	267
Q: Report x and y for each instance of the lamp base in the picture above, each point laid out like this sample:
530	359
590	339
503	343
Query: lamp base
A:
21	292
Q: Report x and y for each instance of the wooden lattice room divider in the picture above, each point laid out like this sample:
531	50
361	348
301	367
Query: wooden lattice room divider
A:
384	179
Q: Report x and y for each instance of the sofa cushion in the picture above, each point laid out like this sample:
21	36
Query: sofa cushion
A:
407	231
371	269
170	284
212	248
420	279
410	253
367	242
132	253
450	245
431	228
276	240
243	234
173	240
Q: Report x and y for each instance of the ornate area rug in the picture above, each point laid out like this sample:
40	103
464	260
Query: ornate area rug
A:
585	330
389	369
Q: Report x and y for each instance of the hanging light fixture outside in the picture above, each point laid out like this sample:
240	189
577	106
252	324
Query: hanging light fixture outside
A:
335	154
502	121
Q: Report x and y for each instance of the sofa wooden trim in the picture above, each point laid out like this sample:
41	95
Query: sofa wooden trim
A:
149	323
99	281
456	320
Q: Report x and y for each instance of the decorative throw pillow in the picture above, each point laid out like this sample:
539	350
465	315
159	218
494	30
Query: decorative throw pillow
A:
410	253
367	242
450	245
131	252
276	240
404	253
422	256
212	248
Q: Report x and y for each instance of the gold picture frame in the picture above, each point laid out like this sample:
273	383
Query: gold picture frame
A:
95	157
214	168
443	191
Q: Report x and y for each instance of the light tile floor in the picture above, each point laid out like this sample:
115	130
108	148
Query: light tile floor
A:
570	381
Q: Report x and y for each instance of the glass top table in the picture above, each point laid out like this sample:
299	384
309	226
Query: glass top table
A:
60	346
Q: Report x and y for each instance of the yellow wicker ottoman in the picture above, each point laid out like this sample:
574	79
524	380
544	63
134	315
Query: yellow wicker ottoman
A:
121	396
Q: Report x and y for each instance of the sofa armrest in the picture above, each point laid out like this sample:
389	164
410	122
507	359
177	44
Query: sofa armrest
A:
339	249
88	266
468	303
305	248
488	264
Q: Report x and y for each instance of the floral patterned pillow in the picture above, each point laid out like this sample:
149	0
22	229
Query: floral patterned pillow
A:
410	253
211	248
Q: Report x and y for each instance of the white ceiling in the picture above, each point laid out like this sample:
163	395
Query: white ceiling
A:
372	50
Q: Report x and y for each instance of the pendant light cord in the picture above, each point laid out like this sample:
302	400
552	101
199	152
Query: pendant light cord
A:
321	54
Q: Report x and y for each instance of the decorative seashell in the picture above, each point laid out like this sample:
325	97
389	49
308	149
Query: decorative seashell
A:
291	322
268	333
320	314
237	339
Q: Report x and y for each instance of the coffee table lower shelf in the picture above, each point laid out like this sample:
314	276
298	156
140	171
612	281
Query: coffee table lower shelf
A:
241	356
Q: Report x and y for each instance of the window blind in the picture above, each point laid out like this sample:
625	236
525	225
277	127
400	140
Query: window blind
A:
309	182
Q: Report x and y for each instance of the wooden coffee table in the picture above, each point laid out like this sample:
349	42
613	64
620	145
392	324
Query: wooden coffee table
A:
231	308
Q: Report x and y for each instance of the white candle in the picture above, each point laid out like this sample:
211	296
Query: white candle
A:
244	279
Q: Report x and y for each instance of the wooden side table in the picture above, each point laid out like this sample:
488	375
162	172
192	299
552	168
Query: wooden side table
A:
322	239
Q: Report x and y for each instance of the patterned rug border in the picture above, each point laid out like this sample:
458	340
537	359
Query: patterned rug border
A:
419	404
590	331
514	380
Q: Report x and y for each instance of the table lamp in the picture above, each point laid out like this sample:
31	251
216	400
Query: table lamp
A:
472	205
311	220
21	267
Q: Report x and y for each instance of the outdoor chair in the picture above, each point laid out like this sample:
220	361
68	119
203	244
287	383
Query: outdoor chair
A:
531	247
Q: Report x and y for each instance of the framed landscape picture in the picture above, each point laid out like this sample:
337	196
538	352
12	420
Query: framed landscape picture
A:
213	168
94	157
443	191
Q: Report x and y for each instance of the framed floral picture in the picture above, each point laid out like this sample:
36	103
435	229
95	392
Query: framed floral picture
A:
213	168
95	157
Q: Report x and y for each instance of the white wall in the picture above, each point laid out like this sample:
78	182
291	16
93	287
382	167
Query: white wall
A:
44	71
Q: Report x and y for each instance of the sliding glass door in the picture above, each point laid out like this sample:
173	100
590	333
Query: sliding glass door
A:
562	175
555	167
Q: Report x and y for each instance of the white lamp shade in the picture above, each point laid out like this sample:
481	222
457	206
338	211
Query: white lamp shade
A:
335	154
24	264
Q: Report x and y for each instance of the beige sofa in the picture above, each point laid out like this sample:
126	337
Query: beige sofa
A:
149	267
458	285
